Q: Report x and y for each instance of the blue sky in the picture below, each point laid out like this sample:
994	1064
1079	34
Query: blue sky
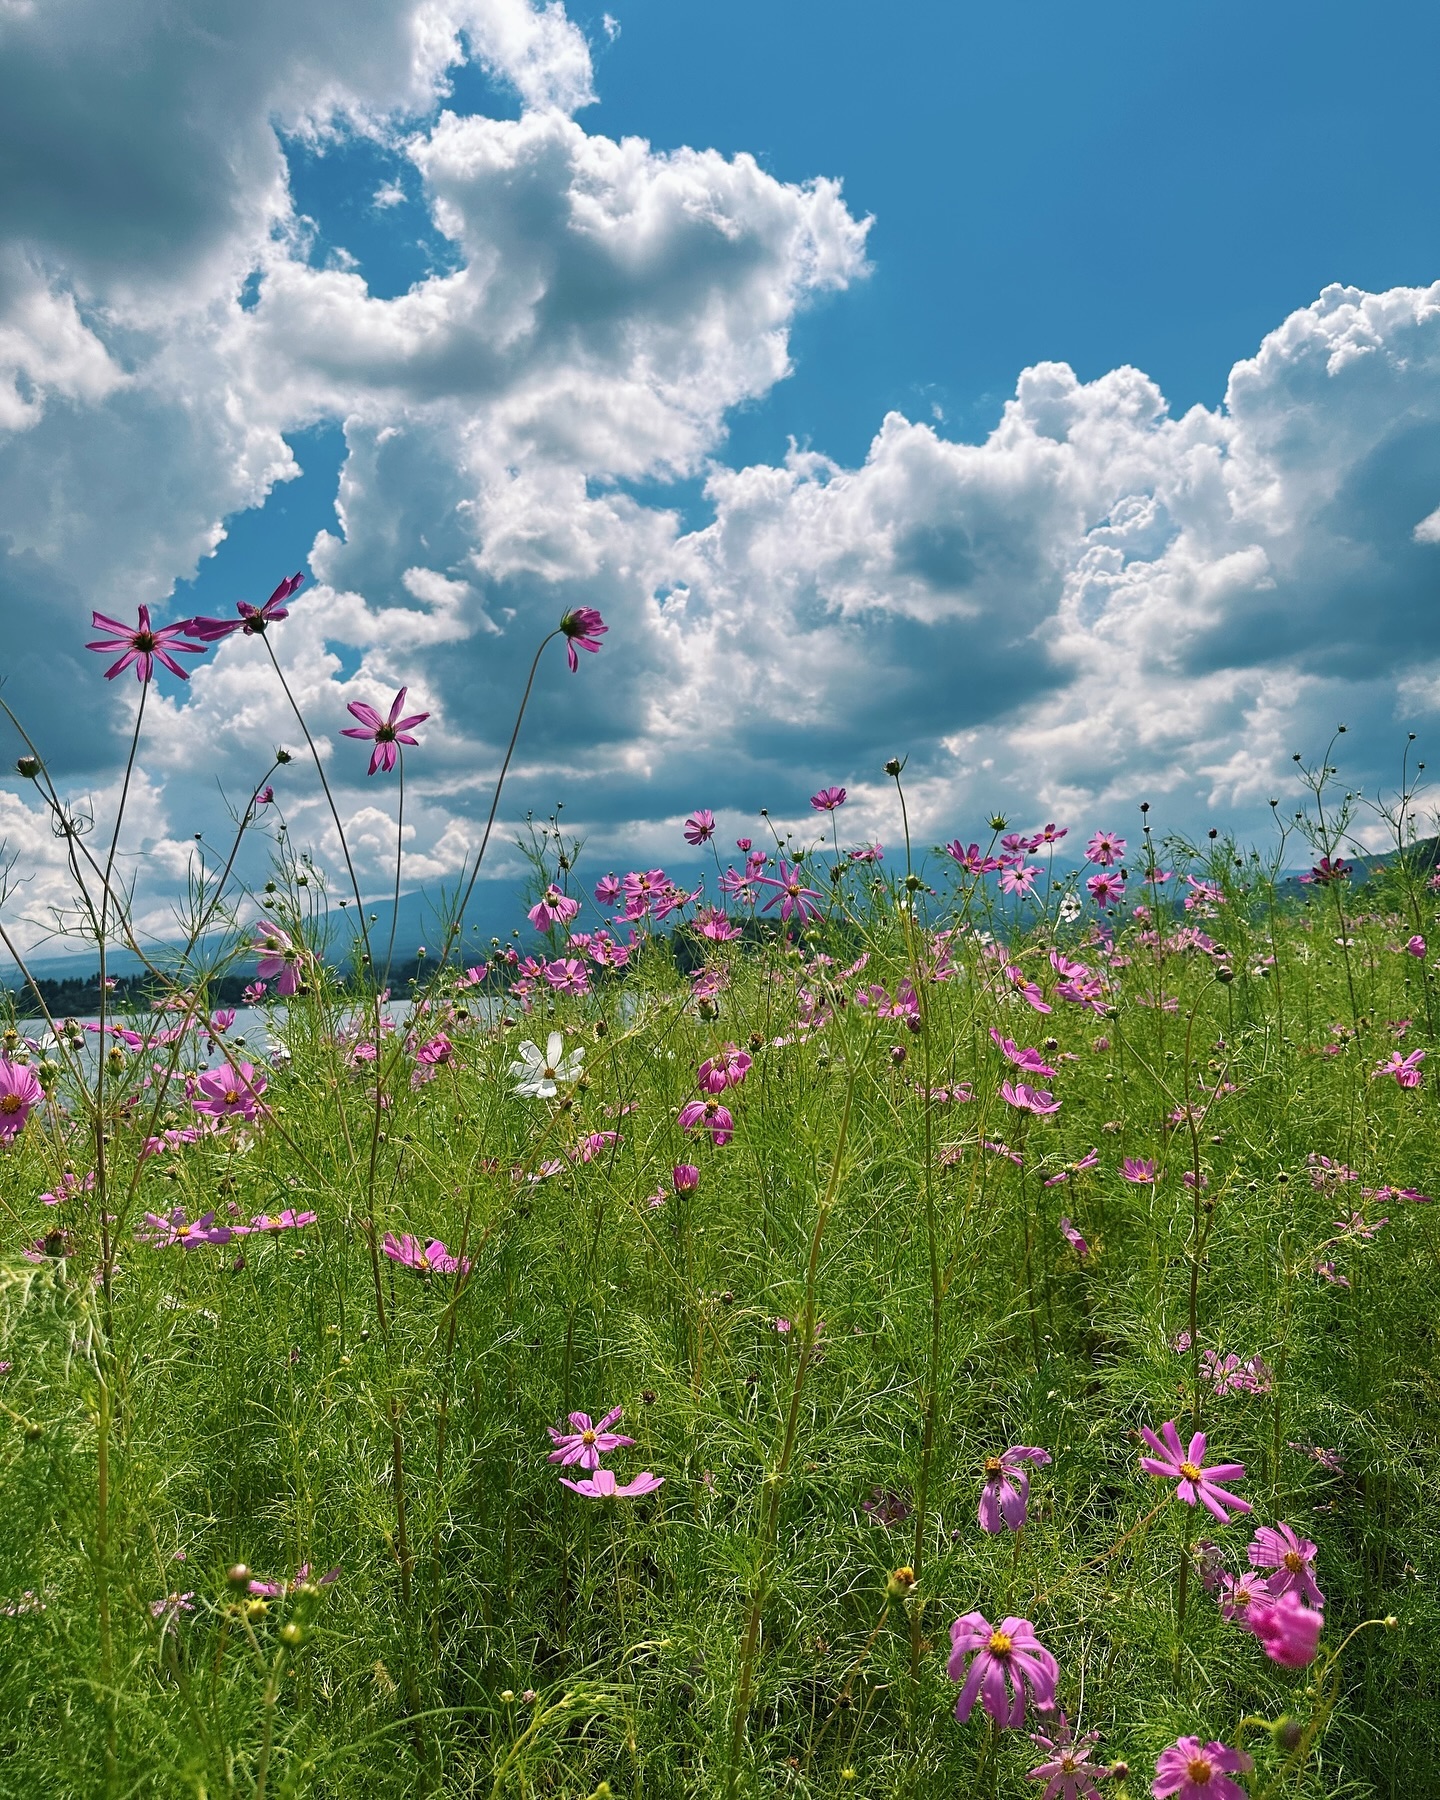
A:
393	293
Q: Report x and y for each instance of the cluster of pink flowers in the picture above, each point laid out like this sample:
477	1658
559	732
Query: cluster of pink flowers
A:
583	1446
727	1069
163	1230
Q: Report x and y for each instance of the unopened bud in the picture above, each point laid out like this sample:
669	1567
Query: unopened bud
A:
1288	1733
29	767
293	1634
283	756
238	1576
894	766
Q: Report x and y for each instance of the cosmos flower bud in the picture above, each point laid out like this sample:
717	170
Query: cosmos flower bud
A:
1288	1733
238	1576
894	766
900	1584
283	756
29	767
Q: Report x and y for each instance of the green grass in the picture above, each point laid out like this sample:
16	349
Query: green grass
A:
268	1402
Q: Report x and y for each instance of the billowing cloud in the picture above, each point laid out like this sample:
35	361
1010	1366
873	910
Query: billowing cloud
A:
1098	601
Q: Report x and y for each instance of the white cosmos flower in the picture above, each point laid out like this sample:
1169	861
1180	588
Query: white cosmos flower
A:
539	1071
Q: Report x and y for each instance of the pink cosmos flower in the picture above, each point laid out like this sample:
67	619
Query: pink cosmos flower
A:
1020	879
275	1590
1105	847
426	1259
709	1115
700	826
1186	1467
20	1094
1052	834
289	1220
972	858
602	1485
1239	1594
437	1049
1291	1557
1069	1774
1030	1061
728	1069
278	957
1029	1099
795	899
162	1232
1326	871
828	799
387	732
607	890
1007	1655
584	627
685	1178
552	908
1074	1239
568	975
252	992
1288	1630
252	620
1106	890
592	1145
227	1092
1005	1497
867	853
144	645
1191	1770
640	886
1416	946
1138	1168
715	926
1405	1069
1090	1160
587	1441
263	796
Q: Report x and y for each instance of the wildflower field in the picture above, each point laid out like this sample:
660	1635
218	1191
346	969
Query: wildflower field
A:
921	1320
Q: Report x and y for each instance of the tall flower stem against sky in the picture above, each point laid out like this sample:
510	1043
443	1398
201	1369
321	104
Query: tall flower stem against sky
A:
775	1484
399	859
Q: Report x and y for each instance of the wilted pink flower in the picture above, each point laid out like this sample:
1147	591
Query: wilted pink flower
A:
1106	890
1090	1160
886	1507
1405	1069
387	732
795	899
552	908
278	957
1292	1559
1074	1239
1007	1660
1191	1770
289	1220
1288	1630
1031	1061
1138	1168
20	1094
867	853
1005	1496
594	1144
1069	1774
1416	945
700	826
427	1259
602	1485
252	620
168	1610
1332	1274
1186	1467
708	1115
587	1441
607	890
1029	1099
144	645
262	796
228	1091
828	799
728	1069
584	627
1105	847
274	1590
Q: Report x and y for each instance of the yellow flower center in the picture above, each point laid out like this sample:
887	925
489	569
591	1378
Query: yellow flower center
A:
587	1437
1000	1643
994	1468
231	1096
1199	1769
11	1103
1294	1562
1190	1471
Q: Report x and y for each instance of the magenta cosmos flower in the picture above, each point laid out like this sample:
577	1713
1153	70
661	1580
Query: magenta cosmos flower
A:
190	1234
275	1590
387	733
143	645
1138	1168
602	1485
828	799
1288	1630
1007	1660
1005	1497
685	1178
289	1220
583	627
279	957
1029	1099
972	858
552	908
1191	1770
587	1441
1291	1558
252	620
1106	890
794	897
431	1258
1405	1069
1069	1773
700	826
1031	1061
728	1069
20	1093
1105	847
223	1093
1186	1467
709	1115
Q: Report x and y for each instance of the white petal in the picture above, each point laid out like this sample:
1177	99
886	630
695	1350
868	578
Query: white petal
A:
555	1048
